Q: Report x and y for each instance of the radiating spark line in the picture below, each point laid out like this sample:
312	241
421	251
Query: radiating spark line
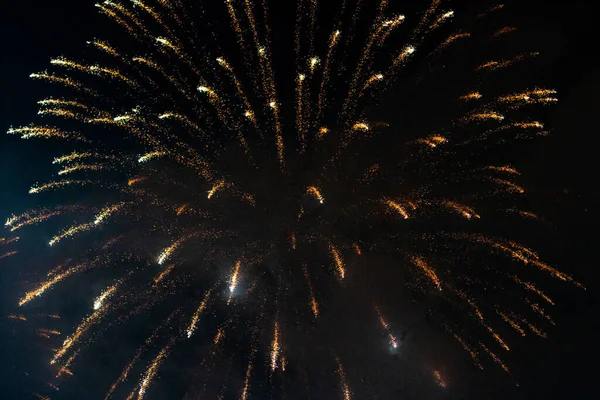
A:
439	379
343	381
166	253
151	372
397	207
314	306
48	284
275	346
495	358
163	274
234	280
339	263
70	232
386	327
472	353
215	188
149	156
196	316
419	262
315	192
106	294
81	329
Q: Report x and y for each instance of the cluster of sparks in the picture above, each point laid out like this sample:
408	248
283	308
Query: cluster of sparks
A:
204	125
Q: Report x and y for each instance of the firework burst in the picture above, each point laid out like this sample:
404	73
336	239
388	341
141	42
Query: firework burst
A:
228	190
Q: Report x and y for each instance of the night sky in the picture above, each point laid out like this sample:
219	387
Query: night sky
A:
564	168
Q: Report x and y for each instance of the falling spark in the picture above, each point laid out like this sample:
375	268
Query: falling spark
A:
275	346
151	372
438	379
315	192
166	253
215	188
100	299
196	316
163	274
48	284
419	262
397	207
234	280
339	264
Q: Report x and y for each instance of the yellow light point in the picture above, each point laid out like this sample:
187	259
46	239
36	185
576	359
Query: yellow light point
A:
293	241
234	280
361	126
343	382
70	232
273	104
397	207
472	353
512	323
80	167
166	253
495	358
163	274
196	316
215	188
314	61
149	156
316	193
471	96
81	329
323	131
357	249
419	262
438	379
275	346
136	180
151	372
249	114
106	294
339	263
314	306
45	132
465	211
19	317
510	186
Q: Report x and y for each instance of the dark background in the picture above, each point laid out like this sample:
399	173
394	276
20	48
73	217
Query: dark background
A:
564	166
